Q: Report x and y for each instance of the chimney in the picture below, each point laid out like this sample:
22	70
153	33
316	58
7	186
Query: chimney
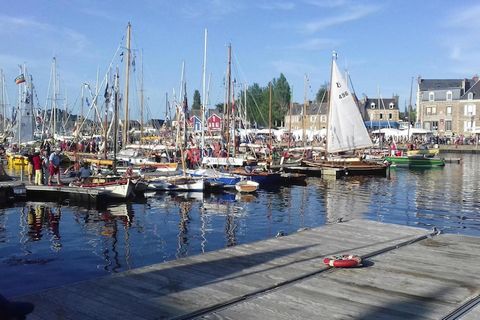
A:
475	78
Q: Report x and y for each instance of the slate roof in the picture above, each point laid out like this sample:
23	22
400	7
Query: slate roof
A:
384	103
442	84
475	89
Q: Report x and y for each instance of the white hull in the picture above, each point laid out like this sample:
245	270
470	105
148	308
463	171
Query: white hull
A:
117	191
176	184
230	161
247	186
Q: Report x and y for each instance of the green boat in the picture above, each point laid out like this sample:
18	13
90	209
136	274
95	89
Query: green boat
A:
415	161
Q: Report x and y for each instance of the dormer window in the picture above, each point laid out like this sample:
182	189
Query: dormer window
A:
391	105
449	95
372	105
470	96
431	96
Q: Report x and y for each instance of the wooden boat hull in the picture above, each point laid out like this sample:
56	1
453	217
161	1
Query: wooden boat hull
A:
356	168
426	152
247	186
120	189
415	162
290	178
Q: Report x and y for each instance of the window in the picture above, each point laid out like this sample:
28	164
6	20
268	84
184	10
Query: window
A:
449	110
391	105
434	110
431	96
323	118
428	111
448	125
380	115
390	116
372	105
470	96
434	125
449	95
427	125
313	118
469	109
469	125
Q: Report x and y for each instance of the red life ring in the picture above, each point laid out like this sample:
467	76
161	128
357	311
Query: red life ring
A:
345	261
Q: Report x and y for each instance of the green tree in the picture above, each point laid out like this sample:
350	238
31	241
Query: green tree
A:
280	98
196	100
322	94
219	107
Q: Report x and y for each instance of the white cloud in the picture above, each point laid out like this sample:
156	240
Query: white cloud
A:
350	14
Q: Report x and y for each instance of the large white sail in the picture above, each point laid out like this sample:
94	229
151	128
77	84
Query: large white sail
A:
346	129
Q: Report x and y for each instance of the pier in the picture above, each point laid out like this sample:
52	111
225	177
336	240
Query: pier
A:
407	273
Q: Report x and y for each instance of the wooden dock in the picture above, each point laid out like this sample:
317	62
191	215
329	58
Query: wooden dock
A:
409	273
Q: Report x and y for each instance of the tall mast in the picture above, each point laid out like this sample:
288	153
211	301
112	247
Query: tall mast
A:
2	96
334	57
141	103
229	88
54	101
304	113
204	94
127	78
245	104
290	122
409	110
270	115
115	121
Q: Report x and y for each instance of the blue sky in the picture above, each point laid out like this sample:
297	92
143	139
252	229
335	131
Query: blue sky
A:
382	43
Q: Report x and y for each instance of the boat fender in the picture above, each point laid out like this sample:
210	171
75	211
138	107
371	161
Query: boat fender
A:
344	261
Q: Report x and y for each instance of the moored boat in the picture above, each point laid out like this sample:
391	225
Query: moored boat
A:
247	186
415	161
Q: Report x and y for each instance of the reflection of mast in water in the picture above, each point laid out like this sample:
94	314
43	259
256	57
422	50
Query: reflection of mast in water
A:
230	226
53	218
203	225
113	217
182	249
302	207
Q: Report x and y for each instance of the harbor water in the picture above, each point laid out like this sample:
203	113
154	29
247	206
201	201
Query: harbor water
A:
45	245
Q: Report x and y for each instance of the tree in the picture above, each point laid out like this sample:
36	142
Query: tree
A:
322	94
196	100
281	98
219	107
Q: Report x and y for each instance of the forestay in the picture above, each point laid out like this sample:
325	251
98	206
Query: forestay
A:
346	130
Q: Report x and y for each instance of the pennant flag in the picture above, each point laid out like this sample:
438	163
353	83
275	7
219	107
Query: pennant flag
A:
20	79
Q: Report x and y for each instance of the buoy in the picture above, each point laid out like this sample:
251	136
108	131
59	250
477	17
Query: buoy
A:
345	261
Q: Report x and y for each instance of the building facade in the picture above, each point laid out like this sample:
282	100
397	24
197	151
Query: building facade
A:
448	107
380	109
313	118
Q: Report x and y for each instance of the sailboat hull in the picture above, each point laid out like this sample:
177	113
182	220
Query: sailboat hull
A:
357	168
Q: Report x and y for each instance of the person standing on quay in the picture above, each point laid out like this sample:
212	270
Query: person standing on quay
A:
54	167
37	167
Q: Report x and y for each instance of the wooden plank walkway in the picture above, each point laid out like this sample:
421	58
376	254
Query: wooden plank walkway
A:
422	280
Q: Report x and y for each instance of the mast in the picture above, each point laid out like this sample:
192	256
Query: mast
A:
304	113
19	111
204	95
270	116
290	122
127	78
141	102
2	96
229	88
334	57
115	121
54	101
245	104
409	110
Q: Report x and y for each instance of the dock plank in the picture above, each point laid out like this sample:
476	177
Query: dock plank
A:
186	285
420	281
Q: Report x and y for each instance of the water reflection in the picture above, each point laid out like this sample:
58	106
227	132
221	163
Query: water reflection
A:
80	243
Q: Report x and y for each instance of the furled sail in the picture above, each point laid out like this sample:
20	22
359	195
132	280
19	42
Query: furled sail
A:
346	130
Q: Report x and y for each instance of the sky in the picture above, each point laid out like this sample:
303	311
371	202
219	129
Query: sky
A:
382	44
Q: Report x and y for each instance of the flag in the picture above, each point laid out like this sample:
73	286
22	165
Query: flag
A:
20	79
106	95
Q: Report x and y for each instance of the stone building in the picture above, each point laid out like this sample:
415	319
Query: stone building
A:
447	107
314	117
380	109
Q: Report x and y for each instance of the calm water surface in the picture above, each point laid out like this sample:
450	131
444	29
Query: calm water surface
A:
43	245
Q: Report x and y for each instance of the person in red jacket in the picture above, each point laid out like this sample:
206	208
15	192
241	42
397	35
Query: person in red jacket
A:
37	167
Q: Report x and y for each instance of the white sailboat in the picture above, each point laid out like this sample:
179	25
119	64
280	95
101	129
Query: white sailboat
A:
346	131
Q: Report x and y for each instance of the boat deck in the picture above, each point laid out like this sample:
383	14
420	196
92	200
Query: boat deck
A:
408	273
